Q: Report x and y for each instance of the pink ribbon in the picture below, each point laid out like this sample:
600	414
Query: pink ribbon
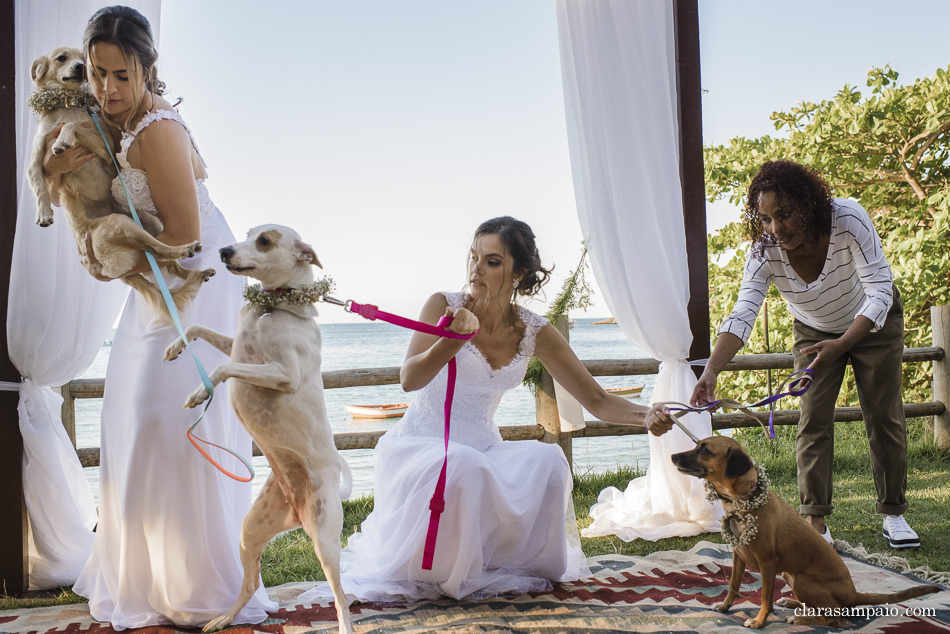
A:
437	502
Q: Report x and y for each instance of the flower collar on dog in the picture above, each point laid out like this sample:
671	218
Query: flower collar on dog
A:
47	100
272	298
742	512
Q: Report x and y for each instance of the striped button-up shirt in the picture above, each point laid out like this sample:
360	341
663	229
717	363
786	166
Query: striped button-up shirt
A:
856	280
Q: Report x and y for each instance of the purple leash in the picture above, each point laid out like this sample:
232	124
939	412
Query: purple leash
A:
797	387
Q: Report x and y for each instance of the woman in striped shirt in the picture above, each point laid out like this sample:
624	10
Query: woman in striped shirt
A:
826	260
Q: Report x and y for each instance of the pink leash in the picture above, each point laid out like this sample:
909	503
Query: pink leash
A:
437	502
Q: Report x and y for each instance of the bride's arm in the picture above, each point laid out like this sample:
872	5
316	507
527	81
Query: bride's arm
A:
553	351
428	353
55	165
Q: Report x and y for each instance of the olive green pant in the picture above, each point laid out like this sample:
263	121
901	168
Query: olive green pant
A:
876	363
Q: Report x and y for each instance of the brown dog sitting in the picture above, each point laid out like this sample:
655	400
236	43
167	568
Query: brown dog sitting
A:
771	537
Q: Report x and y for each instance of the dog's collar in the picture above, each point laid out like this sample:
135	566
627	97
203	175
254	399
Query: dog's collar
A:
743	509
47	100
271	299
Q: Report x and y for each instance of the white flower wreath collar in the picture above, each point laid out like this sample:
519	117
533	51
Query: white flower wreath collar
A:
271	299
46	100
742	512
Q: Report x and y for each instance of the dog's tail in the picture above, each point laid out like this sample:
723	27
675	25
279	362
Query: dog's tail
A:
346	480
881	598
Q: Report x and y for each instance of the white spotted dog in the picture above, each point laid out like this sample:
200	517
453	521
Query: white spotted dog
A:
277	392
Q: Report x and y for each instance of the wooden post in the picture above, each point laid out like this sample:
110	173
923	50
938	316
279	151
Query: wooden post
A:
546	413
692	176
14	566
68	412
940	323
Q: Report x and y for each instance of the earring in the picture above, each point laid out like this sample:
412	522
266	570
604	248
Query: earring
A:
515	283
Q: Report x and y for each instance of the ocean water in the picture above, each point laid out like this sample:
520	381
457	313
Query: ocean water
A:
377	344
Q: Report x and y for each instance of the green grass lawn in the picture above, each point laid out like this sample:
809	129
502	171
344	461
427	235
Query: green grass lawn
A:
290	557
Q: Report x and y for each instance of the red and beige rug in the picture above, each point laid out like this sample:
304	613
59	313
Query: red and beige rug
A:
670	591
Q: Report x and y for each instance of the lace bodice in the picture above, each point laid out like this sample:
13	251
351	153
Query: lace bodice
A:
478	390
136	180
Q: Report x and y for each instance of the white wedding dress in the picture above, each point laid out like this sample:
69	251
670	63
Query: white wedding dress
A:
166	549
508	524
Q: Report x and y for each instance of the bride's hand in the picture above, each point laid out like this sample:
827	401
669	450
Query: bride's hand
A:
55	165
464	322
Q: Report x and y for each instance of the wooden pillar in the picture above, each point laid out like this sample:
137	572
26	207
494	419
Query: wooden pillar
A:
13	519
546	412
940	323
692	176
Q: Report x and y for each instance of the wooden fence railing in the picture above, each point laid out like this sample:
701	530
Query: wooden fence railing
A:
548	424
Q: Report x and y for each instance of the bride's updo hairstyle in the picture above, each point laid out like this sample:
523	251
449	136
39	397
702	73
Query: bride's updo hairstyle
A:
518	239
131	32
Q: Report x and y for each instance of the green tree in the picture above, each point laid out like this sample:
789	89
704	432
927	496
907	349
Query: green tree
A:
890	152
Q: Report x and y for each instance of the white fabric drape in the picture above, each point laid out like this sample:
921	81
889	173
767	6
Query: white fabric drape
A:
619	77
57	319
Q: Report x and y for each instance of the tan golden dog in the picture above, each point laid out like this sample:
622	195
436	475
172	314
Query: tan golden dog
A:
277	392
85	193
781	542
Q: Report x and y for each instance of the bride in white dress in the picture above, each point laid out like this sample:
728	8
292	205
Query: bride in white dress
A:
167	546
508	524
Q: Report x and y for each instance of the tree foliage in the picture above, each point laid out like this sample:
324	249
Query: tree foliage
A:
575	294
890	152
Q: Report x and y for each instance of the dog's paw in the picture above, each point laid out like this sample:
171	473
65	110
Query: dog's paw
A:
217	624
788	602
208	273
196	398
754	624
188	250
174	349
60	146
44	219
723	607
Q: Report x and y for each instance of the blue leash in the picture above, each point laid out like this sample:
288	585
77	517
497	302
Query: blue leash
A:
173	312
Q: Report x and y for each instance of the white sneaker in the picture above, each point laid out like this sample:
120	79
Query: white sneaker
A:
898	533
827	536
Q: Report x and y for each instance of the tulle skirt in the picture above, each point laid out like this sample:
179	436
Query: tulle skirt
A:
508	524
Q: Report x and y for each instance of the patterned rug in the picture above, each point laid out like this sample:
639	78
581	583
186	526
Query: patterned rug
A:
668	591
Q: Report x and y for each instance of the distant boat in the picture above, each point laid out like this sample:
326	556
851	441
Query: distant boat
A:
625	392
392	410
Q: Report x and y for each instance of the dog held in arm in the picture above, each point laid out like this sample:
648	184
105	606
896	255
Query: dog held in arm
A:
771	537
277	393
62	98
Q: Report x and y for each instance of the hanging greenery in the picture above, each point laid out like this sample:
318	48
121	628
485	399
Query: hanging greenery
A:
575	295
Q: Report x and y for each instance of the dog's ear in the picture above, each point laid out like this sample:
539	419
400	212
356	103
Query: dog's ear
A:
39	68
305	252
737	463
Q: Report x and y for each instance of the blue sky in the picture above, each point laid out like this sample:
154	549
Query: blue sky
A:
385	131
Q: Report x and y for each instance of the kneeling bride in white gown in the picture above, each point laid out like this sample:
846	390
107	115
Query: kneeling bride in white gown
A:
508	525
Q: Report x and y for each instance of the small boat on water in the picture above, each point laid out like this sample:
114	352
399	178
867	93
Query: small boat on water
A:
625	392
392	410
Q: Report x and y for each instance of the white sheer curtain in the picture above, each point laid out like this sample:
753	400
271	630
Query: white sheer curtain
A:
57	319
619	76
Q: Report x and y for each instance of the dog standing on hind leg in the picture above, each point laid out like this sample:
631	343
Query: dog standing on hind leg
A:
771	537
277	393
85	193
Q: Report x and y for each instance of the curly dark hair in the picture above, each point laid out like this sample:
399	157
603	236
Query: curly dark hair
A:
518	238
799	188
